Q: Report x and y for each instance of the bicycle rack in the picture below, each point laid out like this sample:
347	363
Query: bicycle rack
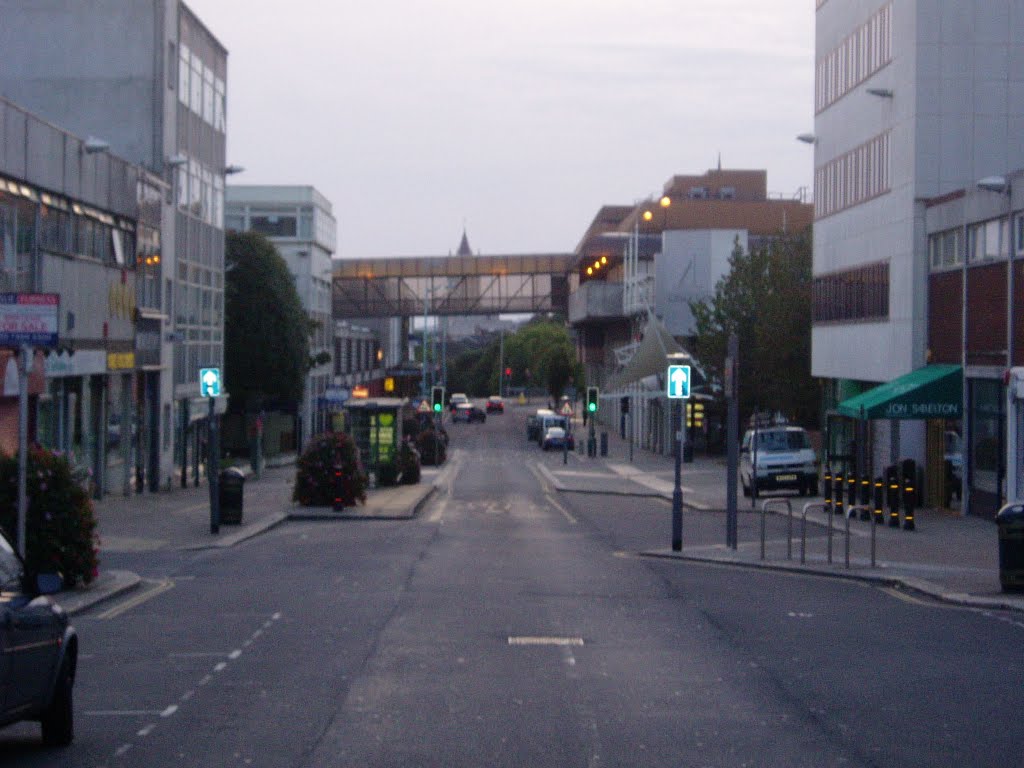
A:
803	529
789	517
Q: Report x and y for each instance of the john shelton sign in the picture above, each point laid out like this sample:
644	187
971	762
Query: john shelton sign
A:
29	319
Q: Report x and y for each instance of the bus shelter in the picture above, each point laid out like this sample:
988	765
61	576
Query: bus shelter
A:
375	424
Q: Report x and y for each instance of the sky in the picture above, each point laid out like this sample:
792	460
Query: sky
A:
516	120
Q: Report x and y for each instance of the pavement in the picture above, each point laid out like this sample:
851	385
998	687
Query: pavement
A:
948	557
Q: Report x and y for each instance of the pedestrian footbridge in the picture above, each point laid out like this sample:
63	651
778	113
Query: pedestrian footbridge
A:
451	285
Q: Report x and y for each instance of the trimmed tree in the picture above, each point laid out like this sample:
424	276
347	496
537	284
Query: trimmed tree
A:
266	330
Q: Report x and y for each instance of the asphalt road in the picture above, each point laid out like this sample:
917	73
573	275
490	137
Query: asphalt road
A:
512	626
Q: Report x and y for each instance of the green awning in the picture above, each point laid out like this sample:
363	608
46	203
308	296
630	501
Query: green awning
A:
932	392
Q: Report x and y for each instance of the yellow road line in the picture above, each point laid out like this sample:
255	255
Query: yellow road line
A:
157	589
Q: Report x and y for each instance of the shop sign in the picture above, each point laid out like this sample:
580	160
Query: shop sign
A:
120	361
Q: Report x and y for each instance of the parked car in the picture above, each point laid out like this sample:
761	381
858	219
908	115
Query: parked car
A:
38	651
495	404
782	459
457	399
534	425
468	413
556	438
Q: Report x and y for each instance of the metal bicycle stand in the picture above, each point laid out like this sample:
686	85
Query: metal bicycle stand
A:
803	528
789	517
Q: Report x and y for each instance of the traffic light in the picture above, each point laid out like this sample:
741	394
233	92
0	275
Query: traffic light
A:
592	397
508	372
437	399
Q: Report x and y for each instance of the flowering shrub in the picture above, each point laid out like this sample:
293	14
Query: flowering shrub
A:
315	483
60	526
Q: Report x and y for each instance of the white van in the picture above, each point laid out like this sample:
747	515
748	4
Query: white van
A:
782	459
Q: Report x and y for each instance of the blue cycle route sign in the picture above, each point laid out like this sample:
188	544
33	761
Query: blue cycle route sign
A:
678	378
209	382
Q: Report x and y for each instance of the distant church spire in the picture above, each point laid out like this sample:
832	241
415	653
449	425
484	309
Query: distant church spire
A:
464	249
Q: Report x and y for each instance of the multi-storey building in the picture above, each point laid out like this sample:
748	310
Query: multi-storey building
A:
299	222
651	260
913	100
81	223
148	78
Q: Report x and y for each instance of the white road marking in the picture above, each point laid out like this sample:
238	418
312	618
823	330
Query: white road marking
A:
147	730
169	711
187	695
122	750
538	640
437	513
572	520
121	713
220	667
234	654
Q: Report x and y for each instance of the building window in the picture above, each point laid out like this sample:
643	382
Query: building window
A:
856	59
855	294
184	70
854	178
274	225
985	434
944	249
988	240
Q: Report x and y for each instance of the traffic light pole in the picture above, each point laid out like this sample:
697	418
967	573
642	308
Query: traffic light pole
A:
213	467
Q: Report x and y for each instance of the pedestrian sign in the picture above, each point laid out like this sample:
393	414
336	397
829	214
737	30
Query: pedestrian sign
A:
567	410
209	382
678	382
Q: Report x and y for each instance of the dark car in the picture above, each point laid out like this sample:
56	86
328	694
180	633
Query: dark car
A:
38	651
495	404
468	413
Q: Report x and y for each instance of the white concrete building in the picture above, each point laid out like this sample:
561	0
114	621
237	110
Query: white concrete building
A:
913	99
299	221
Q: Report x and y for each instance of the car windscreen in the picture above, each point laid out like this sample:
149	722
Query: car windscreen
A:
782	440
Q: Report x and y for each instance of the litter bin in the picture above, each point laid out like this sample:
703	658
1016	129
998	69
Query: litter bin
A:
604	443
1010	521
231	484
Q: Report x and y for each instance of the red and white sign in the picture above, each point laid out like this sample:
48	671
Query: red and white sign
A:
29	318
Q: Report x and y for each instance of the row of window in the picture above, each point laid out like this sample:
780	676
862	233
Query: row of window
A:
200	192
986	241
304	222
861	293
853	178
353	355
200	90
856	59
63	227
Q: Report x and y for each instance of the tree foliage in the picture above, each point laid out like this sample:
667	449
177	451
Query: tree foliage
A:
766	300
266	350
541	354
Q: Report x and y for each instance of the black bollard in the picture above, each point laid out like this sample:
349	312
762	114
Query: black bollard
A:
909	493
851	491
892	482
827	479
838	483
865	498
879	501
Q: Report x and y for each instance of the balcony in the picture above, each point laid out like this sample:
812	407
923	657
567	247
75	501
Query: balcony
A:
595	300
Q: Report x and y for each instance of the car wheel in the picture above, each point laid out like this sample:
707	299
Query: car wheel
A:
58	720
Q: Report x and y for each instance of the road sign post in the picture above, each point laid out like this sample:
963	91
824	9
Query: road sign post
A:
677	378
210	387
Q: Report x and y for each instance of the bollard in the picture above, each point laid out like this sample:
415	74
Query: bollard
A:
339	503
838	483
909	494
892	481
879	501
865	498
828	490
851	492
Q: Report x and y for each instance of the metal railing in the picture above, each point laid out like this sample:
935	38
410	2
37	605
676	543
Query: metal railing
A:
849	513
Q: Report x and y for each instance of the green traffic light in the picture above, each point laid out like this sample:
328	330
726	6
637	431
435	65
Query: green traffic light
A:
591	407
437	407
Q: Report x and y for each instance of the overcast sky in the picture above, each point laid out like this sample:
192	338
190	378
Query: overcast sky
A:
518	119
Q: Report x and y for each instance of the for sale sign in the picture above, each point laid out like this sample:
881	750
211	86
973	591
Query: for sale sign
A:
31	319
